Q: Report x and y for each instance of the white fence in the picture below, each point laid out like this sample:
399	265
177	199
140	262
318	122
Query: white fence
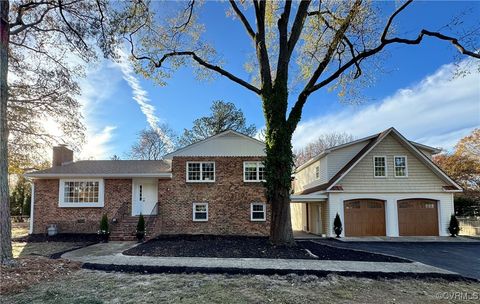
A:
469	225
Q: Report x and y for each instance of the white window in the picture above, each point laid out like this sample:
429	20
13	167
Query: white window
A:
317	172
400	164
200	212
258	212
253	171
380	166
81	193
201	172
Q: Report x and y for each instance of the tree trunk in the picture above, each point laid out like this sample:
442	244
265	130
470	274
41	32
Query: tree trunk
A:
5	225
279	166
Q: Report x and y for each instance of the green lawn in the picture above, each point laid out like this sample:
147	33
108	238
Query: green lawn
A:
86	286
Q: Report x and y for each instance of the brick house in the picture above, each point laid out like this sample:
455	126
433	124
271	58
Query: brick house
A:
380	185
210	187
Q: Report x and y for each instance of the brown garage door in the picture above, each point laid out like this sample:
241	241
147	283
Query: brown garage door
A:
364	217
417	217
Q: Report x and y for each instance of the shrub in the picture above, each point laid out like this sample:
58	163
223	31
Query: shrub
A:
104	224
141	224
337	225
454	227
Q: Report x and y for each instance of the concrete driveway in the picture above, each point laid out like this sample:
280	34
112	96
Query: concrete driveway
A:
463	258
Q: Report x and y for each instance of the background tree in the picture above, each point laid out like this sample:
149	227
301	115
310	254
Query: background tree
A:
43	48
324	43
20	197
322	143
463	165
224	116
151	145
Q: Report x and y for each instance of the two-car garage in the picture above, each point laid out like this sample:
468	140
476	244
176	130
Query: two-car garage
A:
366	217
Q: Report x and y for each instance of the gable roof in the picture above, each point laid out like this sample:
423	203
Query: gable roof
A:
432	150
107	168
374	140
221	144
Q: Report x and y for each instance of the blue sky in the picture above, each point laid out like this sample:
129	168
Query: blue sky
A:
416	94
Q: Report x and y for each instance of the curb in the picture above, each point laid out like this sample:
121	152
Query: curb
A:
253	271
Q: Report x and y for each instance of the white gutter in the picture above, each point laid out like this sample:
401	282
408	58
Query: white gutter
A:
308	198
32	208
61	175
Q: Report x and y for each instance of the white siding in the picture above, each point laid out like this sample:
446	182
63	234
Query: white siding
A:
445	208
228	144
339	158
306	178
420	177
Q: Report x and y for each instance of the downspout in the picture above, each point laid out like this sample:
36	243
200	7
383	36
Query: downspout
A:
32	207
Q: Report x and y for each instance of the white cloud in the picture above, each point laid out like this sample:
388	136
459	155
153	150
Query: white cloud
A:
98	144
437	111
141	97
97	87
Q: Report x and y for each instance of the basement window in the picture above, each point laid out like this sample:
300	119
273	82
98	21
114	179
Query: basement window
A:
258	212
200	212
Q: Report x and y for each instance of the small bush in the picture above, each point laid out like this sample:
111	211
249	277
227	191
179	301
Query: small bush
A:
337	225
454	227
104	224
141	224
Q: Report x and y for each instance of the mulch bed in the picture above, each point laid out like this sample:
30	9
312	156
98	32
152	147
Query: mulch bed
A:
61	237
32	270
217	247
247	247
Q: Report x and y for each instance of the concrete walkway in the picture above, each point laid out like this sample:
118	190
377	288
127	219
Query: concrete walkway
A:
111	254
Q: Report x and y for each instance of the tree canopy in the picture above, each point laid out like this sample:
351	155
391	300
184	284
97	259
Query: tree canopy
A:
150	145
224	116
309	45
322	143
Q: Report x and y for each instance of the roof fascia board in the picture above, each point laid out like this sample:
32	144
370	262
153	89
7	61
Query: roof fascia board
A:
77	175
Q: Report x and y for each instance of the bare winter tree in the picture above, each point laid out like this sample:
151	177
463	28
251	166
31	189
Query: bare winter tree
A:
322	143
44	46
313	44
150	145
224	116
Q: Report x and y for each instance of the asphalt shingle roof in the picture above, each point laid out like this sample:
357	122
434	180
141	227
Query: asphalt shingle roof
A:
108	167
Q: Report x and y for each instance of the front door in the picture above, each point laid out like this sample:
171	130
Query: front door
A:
144	197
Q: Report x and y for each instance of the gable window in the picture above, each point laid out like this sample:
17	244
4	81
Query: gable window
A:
253	171
258	212
200	171
380	166
81	193
200	212
400	163
317	172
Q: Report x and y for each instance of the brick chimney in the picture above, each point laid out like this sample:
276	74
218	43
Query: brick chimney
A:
61	155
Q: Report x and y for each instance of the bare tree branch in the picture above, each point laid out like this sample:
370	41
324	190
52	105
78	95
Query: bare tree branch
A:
296	111
190	13
244	20
297	25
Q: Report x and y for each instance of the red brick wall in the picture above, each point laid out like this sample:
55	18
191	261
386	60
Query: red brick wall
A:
76	220
228	198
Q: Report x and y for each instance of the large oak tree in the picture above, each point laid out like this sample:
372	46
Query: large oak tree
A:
314	43
43	47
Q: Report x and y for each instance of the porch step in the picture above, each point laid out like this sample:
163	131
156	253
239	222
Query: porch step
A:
125	230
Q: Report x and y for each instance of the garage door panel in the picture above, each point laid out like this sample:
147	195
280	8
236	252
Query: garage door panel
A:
418	217
364	217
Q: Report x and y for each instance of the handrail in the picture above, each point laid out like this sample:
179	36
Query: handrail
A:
120	214
151	219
